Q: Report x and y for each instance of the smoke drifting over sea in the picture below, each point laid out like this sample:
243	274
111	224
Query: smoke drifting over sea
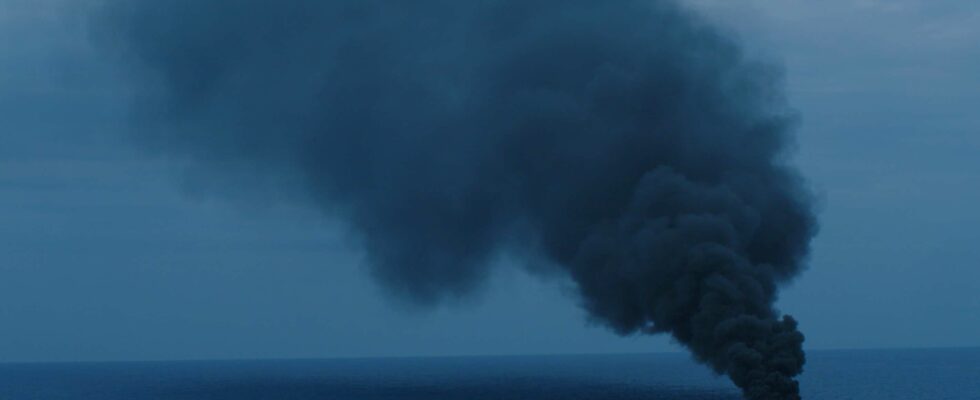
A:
629	143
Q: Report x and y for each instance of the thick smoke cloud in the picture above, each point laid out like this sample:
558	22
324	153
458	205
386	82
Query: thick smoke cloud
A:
628	143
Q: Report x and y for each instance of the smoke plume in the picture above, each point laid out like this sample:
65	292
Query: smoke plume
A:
628	143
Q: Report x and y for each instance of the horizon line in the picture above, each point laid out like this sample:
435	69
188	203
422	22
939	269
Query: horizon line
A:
450	356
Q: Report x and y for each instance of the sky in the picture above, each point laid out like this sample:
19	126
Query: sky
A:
109	253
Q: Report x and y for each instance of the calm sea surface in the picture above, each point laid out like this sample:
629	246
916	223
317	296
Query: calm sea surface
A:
838	375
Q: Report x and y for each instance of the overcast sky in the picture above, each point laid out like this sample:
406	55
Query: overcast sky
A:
107	253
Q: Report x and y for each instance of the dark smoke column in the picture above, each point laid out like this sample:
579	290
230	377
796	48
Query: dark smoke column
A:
627	143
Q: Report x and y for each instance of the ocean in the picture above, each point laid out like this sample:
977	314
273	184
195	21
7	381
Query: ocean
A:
952	374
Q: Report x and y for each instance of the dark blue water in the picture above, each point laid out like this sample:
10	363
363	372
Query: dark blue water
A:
838	375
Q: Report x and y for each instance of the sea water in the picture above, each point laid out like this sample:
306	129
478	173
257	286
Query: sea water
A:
952	374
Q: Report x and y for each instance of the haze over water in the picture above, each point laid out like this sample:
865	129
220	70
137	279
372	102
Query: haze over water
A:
949	374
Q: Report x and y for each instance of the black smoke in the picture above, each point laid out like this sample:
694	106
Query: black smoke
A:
629	143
